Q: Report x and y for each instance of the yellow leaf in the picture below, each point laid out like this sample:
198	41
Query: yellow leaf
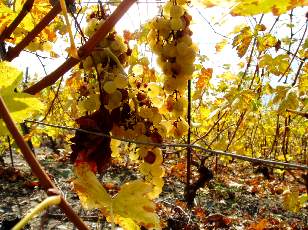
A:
303	199
132	202
291	199
277	65
220	45
289	101
129	208
204	77
259	226
242	41
90	191
303	83
254	7
20	105
38	11
265	42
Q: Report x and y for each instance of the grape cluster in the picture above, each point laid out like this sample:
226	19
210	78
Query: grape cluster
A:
108	59
151	168
143	123
170	39
132	102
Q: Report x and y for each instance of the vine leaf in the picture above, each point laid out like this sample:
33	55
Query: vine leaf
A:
265	42
132	202
130	207
277	65
291	200
242	41
204	77
254	7
90	148
203	82
20	105
91	193
303	84
39	10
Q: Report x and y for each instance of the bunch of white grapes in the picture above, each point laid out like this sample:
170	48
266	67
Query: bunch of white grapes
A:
170	39
108	59
151	168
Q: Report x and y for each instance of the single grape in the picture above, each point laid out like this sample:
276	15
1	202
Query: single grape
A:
181	2
120	81
157	171
110	87
176	11
92	26
114	100
167	8
176	24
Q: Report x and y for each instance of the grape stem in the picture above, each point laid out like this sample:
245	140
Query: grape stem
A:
115	59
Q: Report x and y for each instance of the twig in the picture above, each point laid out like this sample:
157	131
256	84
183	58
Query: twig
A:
239	122
213	126
276	20
204	18
42	64
209	151
14	52
188	156
10	29
299	45
53	100
298	71
276	136
291	29
250	56
84	50
10	149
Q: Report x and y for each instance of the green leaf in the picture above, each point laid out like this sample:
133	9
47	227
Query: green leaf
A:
20	105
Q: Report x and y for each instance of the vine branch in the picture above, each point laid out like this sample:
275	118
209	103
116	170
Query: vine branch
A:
84	50
299	45
36	166
14	52
10	29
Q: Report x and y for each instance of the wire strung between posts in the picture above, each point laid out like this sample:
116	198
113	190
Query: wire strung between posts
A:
193	146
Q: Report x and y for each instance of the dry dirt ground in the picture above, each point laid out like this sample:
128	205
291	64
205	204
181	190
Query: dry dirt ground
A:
237	198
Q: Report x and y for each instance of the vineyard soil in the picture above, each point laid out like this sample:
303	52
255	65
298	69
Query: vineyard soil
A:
237	197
